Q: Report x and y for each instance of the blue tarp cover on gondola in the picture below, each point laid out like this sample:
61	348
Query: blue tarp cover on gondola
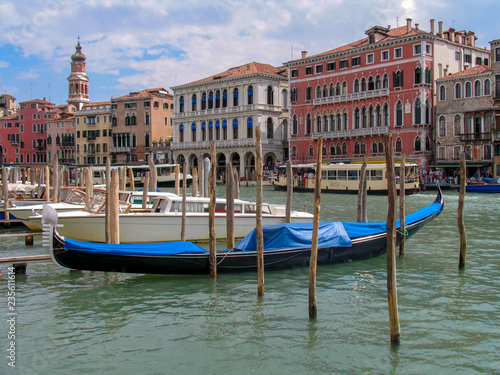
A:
145	249
297	236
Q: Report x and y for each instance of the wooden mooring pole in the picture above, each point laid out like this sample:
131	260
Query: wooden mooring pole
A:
362	216
114	209
392	290
289	191
184	197
211	212
402	203
460	218
313	263
194	185
258	214
5	188
229	206
177	179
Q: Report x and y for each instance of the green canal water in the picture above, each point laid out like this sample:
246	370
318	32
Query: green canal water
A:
110	323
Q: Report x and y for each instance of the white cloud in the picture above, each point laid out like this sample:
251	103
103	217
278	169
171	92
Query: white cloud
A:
4	64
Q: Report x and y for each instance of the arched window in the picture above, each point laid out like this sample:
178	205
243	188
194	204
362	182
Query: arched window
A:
325	91
457	125
442	126
332	122
356	148
318	92
487	87
250	95
339	149
427	111
346	119
181	132
324	151
249	127
217	99
294	151
344	88
418	111
235	97
418	144
363	117
374	147
193	103
270	128
399	113
332	149
332	89
339	121
344	148
210	100
311	151
338	90
380	147
363	84
318	123
399	145
378	115
467	123
295	125
477	88
386	114
378	83
224	98
181	104
356	85
325	122
371	117
458	91
371	84
468	90
385	83
203	101
193	131
235	128
308	124
418	75
428	143
442	92
356	118
270	95
363	148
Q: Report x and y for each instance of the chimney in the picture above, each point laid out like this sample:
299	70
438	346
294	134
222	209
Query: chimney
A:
304	54
433	26
416	26
408	25
440	25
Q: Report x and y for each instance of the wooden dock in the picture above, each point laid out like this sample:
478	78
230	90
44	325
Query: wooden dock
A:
27	259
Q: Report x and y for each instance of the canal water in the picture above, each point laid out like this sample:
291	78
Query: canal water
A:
110	323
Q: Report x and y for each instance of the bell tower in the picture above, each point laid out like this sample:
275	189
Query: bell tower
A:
78	82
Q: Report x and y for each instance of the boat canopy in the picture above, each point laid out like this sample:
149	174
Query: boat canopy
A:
297	236
140	249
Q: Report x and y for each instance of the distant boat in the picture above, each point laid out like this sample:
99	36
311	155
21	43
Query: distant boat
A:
482	188
344	178
285	246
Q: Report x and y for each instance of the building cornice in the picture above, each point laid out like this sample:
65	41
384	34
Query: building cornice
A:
216	82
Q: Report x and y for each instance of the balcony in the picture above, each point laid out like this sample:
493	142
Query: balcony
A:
91	137
40	148
377	130
351	97
244	142
475	137
67	144
120	150
240	108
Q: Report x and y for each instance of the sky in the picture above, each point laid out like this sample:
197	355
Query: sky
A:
132	45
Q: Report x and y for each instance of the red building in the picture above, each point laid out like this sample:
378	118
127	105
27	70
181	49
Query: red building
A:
354	94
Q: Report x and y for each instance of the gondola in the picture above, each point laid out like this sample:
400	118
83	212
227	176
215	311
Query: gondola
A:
286	246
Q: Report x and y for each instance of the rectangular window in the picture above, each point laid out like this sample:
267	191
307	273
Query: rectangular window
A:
295	73
428	49
385	55
309	70
370	58
479	61
398	53
497	54
457	56
319	69
343	64
468	59
147	104
417	48
330	66
356	61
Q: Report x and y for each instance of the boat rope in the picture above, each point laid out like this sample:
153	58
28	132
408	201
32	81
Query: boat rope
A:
224	257
403	234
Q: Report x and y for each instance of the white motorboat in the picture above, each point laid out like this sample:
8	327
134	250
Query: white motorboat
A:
163	222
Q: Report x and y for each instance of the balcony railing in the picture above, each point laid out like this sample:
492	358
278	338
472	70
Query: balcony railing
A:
475	137
240	108
244	142
351	97
377	130
119	150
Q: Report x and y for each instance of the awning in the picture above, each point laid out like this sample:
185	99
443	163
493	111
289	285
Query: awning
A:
181	127
224	123
457	165
193	126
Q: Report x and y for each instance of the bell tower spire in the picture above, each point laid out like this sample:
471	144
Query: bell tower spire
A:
78	82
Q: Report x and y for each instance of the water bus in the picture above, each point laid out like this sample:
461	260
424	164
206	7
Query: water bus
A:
344	178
